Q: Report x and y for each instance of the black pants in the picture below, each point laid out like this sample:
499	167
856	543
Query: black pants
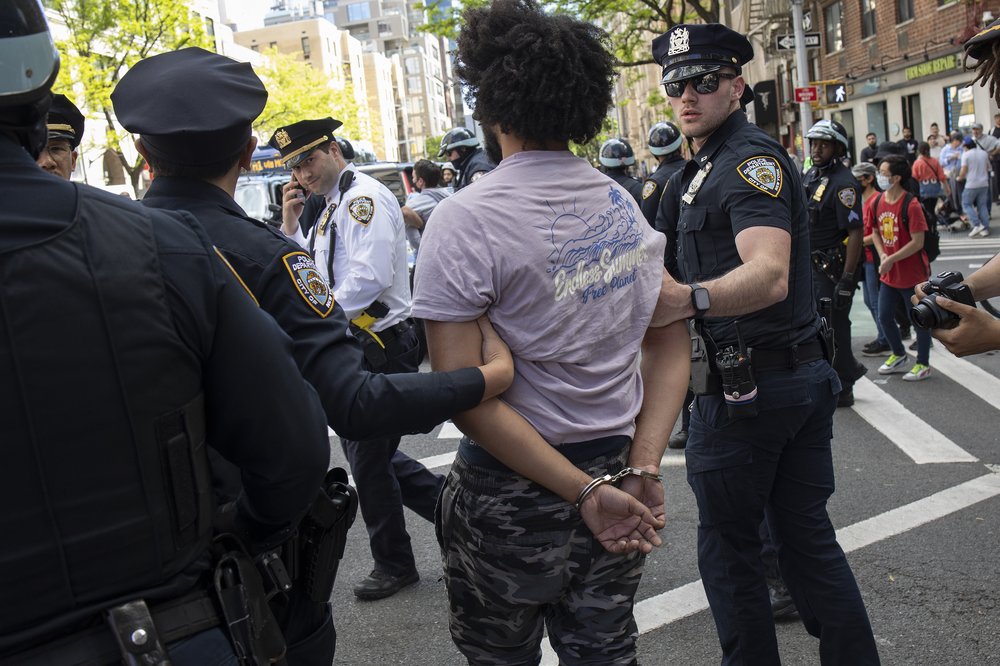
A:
387	480
844	362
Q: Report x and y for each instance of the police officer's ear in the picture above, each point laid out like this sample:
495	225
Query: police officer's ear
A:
246	157
736	90
141	149
335	150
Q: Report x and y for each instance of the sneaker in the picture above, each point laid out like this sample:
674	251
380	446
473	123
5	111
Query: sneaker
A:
782	604
678	440
846	398
975	231
876	348
984	232
913	345
892	365
917	373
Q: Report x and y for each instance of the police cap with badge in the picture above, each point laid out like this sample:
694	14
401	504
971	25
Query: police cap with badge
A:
296	141
690	51
160	100
65	121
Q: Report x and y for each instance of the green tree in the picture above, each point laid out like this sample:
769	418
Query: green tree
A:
105	38
432	145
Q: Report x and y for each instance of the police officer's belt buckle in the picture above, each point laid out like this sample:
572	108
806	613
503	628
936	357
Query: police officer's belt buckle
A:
612	479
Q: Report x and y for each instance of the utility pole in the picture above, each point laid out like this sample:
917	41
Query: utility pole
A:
802	73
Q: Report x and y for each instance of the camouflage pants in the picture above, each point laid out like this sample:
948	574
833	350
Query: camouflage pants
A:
518	559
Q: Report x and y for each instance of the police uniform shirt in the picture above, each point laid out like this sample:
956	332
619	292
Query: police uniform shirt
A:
836	202
369	255
474	167
652	189
282	278
751	182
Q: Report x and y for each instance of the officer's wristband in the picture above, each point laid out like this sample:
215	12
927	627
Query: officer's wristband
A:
612	478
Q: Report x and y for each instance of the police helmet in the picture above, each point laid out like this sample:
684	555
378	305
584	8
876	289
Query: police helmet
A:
664	138
29	56
346	149
616	153
829	130
456	138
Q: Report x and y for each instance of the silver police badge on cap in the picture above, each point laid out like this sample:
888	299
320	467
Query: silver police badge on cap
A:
680	42
763	173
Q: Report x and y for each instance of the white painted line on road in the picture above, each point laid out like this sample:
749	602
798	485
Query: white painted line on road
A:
663	609
449	431
969	375
975	265
963	257
914	436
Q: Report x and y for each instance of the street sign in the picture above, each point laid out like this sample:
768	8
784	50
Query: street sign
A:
787	42
836	93
805	94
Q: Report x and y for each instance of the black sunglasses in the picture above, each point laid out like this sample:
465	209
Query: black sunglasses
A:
706	84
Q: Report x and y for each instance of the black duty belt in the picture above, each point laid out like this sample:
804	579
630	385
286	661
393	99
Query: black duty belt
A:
791	358
174	620
387	335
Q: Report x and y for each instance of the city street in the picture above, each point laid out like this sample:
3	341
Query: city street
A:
917	509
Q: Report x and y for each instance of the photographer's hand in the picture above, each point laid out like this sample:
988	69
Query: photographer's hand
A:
977	331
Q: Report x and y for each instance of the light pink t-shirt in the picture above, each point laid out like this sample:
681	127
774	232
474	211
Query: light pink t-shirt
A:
567	268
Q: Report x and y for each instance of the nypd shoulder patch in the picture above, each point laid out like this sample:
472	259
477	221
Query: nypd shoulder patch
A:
648	188
848	196
311	286
764	173
362	209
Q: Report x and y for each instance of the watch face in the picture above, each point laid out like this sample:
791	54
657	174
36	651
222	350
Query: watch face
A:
699	297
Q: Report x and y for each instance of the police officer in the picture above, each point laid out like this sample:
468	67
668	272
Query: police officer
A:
760	430
616	157
461	147
153	351
65	132
177	138
359	245
836	230
664	142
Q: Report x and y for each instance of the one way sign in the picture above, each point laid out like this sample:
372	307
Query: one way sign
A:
787	42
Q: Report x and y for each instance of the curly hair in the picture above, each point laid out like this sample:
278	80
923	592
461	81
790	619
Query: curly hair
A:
539	76
988	67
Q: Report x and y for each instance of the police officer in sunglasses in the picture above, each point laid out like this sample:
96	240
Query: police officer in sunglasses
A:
759	440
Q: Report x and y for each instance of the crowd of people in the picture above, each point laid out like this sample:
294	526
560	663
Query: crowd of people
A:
167	462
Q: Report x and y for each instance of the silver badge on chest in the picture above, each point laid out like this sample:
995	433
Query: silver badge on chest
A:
696	183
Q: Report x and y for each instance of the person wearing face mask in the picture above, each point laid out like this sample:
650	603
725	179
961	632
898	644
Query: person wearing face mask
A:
896	221
866	173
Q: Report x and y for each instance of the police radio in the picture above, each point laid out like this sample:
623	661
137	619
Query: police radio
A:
738	385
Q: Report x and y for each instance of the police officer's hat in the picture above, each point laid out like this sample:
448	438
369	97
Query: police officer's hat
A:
456	138
296	141
692	49
829	130
664	138
65	121
616	153
346	149
190	106
982	43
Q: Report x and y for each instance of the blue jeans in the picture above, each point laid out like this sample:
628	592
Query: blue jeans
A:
870	293
208	648
779	462
888	299
975	203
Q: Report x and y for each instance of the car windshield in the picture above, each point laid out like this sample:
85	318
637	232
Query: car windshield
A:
252	197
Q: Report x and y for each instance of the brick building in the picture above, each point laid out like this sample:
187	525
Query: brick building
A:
901	63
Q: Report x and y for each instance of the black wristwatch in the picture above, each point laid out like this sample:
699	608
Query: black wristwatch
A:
700	301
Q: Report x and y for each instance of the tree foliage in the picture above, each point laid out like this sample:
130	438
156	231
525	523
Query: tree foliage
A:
632	24
296	91
105	38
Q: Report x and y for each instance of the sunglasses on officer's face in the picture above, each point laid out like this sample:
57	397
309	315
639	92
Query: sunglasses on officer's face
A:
706	84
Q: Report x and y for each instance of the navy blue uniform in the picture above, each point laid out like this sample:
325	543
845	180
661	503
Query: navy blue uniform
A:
833	199
779	460
472	167
105	475
653	188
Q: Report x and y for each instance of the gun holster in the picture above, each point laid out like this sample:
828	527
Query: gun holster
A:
319	545
826	328
829	262
371	344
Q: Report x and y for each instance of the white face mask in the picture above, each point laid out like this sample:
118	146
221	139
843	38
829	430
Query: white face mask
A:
883	182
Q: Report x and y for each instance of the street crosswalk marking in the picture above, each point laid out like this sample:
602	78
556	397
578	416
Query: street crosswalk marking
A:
914	436
673	605
449	431
968	375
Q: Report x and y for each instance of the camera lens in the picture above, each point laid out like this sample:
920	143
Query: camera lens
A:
923	314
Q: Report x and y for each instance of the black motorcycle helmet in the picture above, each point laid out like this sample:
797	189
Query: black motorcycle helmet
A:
457	138
664	138
617	154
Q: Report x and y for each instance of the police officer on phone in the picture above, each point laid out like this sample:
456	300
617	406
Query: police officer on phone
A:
760	429
836	228
664	142
154	356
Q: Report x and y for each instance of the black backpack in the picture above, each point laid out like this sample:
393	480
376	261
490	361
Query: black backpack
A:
932	239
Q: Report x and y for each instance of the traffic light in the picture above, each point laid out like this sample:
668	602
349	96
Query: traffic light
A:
836	93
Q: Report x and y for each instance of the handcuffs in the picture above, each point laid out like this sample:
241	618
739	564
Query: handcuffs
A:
613	478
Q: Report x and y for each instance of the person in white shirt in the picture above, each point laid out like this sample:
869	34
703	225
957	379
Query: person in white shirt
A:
976	195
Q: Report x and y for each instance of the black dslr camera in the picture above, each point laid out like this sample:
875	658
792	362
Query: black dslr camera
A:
928	314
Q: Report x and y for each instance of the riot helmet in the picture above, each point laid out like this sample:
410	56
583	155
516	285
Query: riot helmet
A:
617	154
829	130
457	138
664	138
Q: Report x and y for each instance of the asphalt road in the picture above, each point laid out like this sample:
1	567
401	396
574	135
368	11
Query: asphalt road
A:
917	508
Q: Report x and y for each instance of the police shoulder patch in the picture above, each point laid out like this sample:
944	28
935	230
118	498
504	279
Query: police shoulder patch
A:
311	286
848	196
362	209
764	173
648	188
476	176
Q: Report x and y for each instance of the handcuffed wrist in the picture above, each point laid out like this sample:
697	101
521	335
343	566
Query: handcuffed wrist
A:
612	478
